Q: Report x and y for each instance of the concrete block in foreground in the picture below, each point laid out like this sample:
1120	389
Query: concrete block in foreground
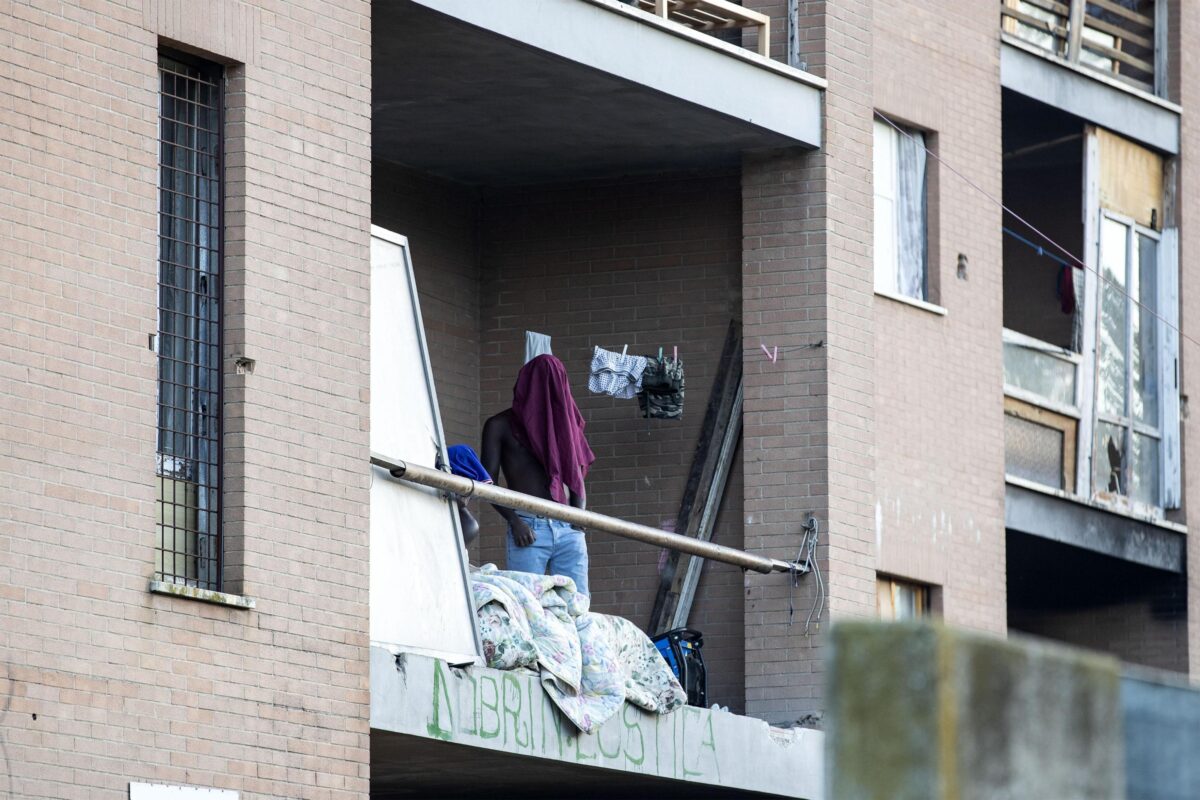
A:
923	712
1162	737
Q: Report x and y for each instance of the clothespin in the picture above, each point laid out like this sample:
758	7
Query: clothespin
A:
676	352
771	354
625	349
660	354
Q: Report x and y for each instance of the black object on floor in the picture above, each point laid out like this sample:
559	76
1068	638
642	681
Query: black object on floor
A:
681	650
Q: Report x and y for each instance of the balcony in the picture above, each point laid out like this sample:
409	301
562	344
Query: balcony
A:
716	17
500	736
439	704
1121	40
1103	61
488	93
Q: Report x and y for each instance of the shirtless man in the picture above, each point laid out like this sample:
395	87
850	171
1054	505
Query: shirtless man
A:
539	446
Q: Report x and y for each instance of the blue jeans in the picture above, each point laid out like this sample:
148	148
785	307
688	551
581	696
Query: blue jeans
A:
556	545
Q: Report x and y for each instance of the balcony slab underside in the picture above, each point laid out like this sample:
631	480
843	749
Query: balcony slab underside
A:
1060	519
487	733
510	93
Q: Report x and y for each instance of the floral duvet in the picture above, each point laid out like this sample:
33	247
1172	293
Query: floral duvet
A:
589	663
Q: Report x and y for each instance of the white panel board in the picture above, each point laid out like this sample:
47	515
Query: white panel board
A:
159	791
420	600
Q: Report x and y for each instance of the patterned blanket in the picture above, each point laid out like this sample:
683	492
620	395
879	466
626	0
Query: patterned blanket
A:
589	663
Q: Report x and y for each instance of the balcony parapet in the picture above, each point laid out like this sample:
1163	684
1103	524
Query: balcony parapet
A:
508	715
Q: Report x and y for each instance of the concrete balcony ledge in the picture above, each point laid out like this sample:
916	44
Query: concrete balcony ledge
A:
1036	73
1061	517
499	735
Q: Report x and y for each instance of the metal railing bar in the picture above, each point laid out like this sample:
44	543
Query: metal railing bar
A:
465	487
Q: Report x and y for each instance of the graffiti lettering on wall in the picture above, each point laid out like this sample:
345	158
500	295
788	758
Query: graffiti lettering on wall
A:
509	712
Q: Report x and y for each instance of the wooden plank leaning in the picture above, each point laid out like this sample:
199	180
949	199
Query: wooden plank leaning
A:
704	467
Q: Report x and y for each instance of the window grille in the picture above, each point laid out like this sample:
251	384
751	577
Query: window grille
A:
189	323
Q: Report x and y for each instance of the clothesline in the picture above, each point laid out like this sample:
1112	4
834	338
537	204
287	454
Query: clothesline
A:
1041	251
770	351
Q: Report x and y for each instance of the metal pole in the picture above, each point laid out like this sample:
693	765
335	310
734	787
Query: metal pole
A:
465	487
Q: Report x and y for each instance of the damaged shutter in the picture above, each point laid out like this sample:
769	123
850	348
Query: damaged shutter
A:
1168	260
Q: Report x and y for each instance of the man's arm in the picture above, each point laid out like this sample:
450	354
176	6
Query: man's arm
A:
493	447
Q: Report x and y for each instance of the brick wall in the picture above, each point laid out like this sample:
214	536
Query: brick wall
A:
441	221
1136	631
1188	84
647	263
939	492
807	280
104	683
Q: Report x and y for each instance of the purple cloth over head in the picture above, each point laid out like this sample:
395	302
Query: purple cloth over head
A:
549	424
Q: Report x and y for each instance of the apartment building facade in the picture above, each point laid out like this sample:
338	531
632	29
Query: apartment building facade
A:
958	417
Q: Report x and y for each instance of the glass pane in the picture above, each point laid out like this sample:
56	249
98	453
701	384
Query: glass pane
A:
1113	319
884	177
1109	459
1145	469
1033	35
1144	288
1033	452
1039	372
1096	59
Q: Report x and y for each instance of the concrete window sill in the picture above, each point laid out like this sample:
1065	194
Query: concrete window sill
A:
912	301
202	595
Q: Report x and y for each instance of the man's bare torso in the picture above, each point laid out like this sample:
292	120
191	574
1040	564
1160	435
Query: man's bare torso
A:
523	472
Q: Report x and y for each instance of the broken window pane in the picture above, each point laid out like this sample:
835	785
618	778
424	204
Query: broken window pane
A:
1109	461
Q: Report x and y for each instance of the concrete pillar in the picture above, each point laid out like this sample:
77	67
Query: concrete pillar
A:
921	712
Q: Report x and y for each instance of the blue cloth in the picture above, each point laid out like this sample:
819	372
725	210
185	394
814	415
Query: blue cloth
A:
464	462
558	546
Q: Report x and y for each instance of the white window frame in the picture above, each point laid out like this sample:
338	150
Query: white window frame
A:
1166	433
886	182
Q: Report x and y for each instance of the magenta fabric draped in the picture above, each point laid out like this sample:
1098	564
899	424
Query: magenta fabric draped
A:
550	425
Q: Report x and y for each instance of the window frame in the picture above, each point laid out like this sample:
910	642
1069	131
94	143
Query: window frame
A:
215	74
887	271
892	587
1127	421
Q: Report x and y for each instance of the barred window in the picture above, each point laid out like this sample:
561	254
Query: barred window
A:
189	323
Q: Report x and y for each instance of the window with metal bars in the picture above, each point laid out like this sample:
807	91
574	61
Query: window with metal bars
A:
189	322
